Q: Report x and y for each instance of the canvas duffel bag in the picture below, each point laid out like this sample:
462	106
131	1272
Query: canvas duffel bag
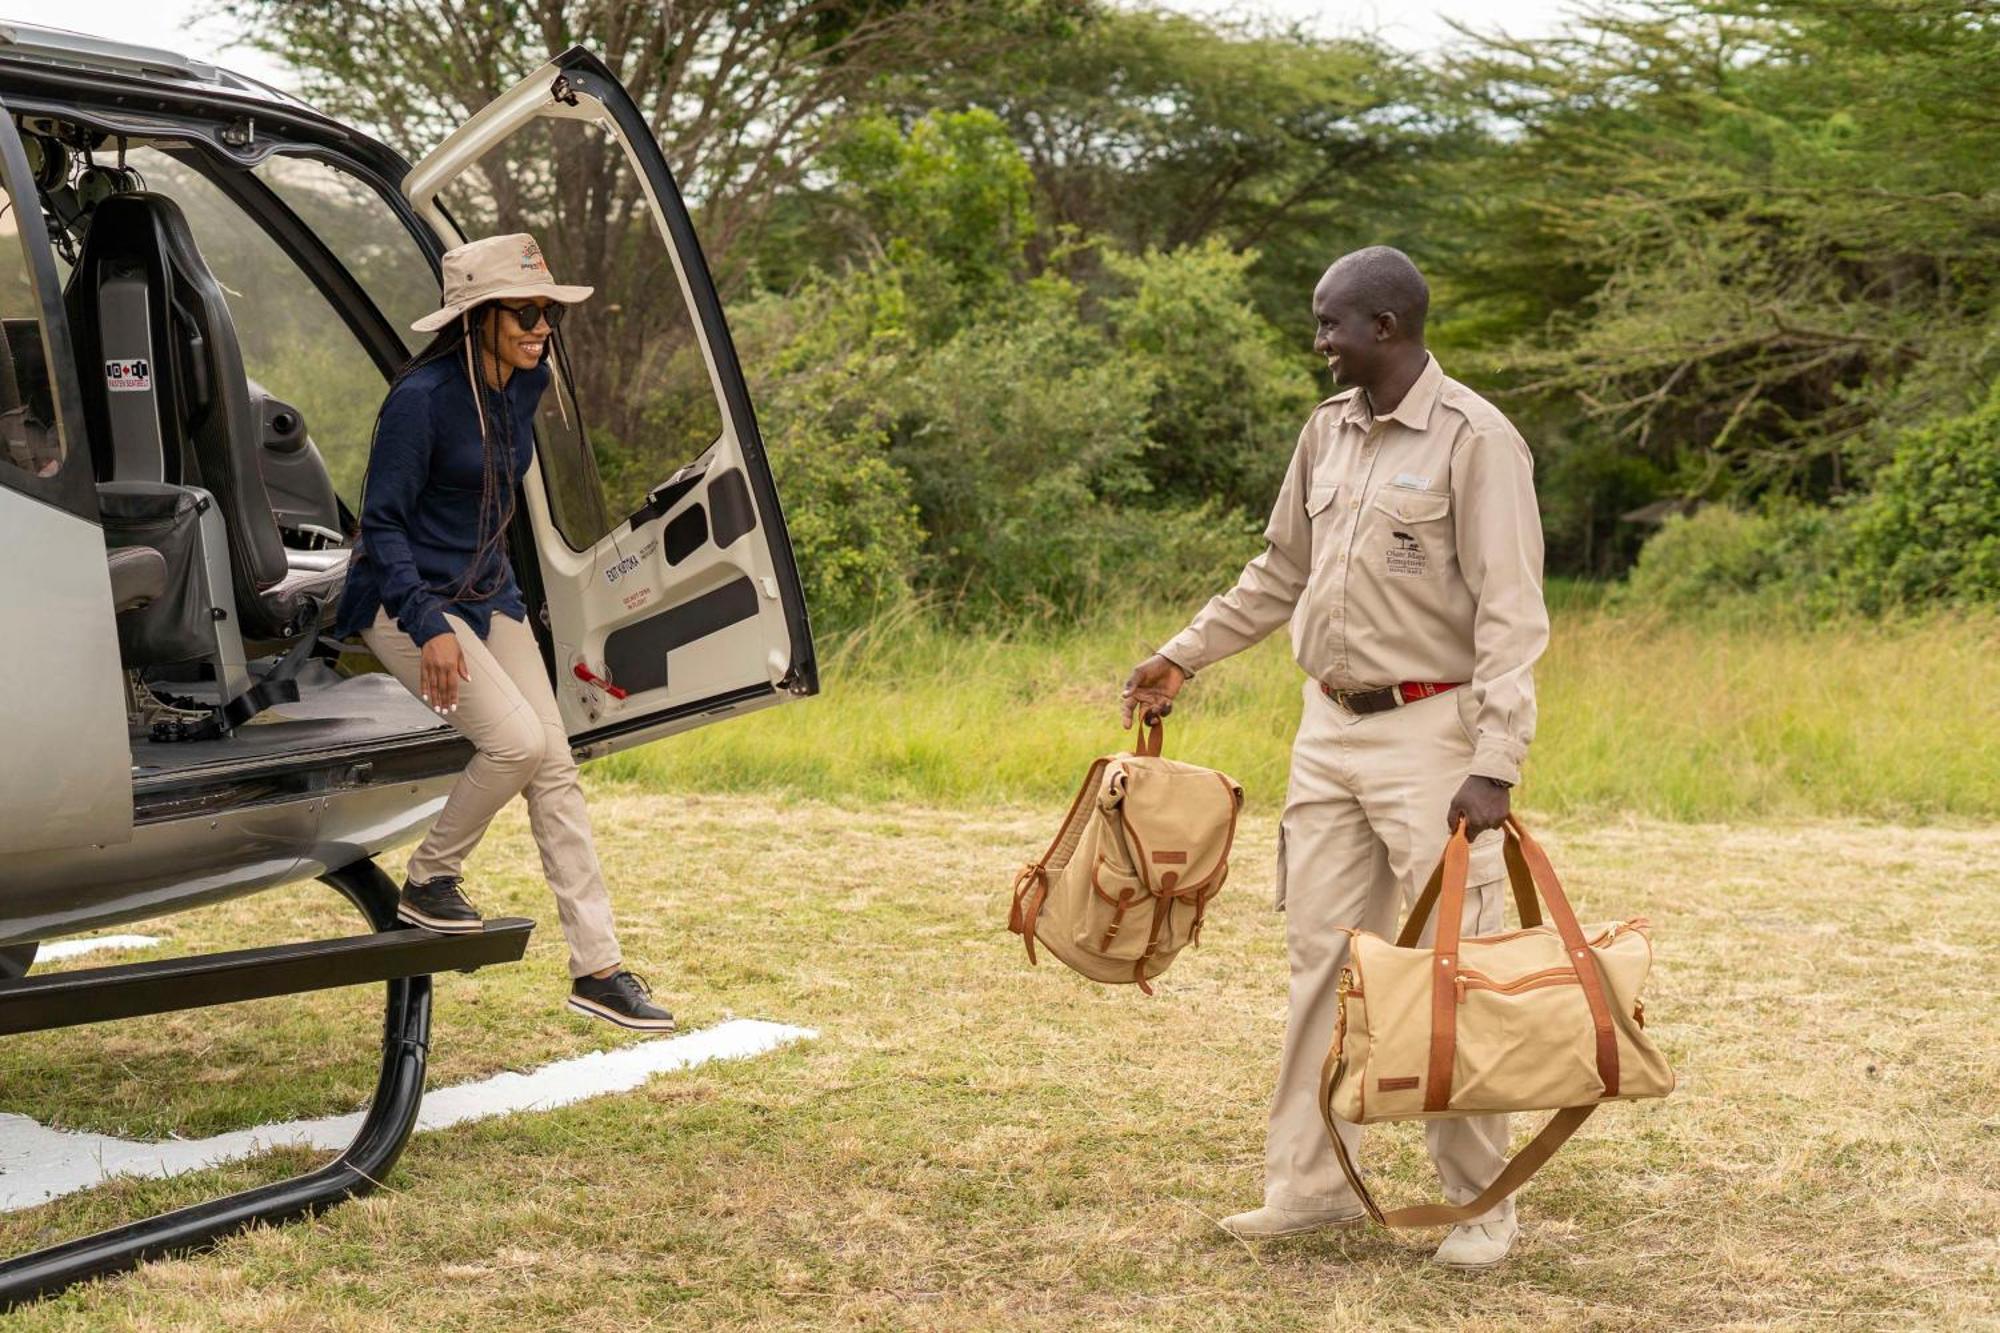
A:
1546	1017
1127	882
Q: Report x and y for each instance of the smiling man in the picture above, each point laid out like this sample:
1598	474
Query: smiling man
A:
1406	551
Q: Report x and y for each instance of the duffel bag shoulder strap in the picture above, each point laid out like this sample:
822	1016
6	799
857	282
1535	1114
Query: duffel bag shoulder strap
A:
1515	1174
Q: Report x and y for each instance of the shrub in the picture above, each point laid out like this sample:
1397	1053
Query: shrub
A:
1717	556
1930	529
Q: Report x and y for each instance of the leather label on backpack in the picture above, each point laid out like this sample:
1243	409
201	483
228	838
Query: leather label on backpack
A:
1396	1084
1170	858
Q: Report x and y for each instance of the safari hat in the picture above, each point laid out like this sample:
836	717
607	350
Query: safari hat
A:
494	269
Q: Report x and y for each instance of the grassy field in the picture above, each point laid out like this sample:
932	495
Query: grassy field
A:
1736	719
972	1145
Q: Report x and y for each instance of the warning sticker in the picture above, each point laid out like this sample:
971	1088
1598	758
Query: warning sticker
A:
1406	555
128	376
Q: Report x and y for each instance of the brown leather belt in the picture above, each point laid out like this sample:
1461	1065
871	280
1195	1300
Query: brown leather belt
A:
1388	696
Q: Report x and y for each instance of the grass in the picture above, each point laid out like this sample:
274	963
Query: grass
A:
1729	720
972	1145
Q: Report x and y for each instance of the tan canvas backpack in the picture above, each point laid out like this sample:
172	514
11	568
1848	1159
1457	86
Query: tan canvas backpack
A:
1546	1017
1127	882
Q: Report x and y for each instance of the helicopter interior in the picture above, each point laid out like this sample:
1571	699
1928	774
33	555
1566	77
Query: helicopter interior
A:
226	535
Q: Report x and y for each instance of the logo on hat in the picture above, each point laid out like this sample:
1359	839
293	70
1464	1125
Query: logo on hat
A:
531	258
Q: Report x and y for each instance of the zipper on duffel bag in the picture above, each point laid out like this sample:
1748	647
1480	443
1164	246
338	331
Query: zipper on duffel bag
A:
1553	976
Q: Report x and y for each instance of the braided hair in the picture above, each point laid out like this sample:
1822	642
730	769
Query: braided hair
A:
497	490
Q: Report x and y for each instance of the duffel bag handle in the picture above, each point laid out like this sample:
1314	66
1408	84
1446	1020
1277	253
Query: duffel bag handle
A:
1449	901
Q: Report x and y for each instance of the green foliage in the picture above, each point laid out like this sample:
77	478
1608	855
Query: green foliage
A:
1227	396
1930	529
952	191
1734	562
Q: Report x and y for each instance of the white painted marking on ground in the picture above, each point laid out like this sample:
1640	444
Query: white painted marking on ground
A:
38	1164
49	953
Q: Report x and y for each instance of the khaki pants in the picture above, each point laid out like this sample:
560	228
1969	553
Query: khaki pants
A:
1363	828
509	712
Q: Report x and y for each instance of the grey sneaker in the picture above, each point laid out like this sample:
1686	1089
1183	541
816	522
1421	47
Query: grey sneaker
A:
437	904
623	998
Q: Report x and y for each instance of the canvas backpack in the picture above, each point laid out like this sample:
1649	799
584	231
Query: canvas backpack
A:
1127	882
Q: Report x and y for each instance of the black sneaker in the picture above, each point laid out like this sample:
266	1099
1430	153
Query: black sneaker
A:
622	998
436	904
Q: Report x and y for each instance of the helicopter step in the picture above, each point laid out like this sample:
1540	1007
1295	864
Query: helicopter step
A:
401	957
132	990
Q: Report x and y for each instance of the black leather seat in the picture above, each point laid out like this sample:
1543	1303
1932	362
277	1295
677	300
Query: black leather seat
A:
140	252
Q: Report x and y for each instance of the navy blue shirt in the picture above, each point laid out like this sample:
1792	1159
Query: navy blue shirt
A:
420	504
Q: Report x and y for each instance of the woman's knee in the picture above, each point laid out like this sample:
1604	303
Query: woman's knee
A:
518	744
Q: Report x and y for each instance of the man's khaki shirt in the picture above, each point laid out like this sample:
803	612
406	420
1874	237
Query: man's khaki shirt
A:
1405	547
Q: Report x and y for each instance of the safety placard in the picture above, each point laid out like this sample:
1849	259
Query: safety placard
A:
135	376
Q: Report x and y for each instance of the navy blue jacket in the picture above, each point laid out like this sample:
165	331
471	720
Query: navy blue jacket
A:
420	504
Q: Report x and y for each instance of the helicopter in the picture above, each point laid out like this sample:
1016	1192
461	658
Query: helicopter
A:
204	291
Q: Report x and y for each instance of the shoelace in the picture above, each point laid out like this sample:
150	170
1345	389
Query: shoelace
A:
633	984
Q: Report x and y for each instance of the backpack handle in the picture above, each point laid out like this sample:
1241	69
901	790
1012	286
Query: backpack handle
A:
1152	734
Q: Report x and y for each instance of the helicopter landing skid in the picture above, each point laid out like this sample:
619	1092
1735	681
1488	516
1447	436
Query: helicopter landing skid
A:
402	956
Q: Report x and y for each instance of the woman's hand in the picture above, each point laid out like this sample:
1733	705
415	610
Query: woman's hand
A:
442	668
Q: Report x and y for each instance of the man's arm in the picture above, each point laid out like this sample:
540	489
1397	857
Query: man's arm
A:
1266	591
1500	553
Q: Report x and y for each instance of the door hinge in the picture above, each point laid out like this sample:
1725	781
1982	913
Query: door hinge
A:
561	90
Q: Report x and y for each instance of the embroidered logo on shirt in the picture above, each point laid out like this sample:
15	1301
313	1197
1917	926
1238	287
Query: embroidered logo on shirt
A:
1406	557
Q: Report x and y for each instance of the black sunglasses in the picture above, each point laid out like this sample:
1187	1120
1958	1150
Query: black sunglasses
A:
526	317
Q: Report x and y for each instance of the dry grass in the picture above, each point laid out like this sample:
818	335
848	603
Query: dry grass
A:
974	1145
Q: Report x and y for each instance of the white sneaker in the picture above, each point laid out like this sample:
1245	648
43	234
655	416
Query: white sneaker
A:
1478	1244
1271	1222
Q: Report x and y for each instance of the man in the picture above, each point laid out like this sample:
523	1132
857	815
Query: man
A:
1406	551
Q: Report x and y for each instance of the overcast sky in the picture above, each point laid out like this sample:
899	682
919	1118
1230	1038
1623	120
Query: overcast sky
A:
1413	24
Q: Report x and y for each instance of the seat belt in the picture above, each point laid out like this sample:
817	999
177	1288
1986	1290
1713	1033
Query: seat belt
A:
280	685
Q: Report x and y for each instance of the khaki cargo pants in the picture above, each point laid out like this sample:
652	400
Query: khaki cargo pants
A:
1362	830
508	711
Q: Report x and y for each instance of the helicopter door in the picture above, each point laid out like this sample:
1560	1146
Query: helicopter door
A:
67	781
671	594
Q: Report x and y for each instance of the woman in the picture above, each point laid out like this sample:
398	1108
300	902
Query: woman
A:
433	596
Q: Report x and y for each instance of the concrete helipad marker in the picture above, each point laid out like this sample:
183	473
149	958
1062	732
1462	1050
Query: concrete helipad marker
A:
38	1164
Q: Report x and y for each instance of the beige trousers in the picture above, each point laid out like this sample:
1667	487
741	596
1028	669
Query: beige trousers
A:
1363	828
508	711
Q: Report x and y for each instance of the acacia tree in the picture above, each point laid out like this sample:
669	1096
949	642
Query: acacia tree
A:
743	100
1742	233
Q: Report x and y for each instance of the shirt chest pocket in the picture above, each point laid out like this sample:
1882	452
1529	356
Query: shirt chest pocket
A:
1410	533
1324	516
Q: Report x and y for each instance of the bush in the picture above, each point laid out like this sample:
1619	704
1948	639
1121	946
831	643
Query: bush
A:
1720	554
854	528
1929	531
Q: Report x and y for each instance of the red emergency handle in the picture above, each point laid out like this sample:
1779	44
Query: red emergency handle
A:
589	677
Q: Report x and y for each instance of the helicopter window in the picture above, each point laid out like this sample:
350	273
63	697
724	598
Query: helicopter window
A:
637	375
356	223
30	439
294	342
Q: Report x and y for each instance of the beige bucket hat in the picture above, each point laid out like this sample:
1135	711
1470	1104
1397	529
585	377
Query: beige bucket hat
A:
494	269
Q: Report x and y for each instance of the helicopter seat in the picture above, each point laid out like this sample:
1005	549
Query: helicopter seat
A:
175	406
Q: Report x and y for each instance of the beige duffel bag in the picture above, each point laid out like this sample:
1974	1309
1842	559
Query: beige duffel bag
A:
1127	882
1546	1017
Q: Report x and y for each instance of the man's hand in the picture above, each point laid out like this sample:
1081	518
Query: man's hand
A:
1150	690
443	666
1481	802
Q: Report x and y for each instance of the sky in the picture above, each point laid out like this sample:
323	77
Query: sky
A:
1418	25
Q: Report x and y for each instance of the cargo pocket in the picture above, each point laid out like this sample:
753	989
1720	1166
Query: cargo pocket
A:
1117	920
1278	891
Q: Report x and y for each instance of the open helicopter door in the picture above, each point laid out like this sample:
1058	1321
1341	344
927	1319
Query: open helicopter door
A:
67	780
672	597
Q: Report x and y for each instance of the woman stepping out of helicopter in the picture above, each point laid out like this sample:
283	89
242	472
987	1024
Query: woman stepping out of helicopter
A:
432	594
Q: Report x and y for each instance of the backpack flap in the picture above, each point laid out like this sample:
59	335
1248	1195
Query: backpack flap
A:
1179	820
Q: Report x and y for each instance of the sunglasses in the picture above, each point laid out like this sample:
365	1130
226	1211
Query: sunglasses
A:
526	317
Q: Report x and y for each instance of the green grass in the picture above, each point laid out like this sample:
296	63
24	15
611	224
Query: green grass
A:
971	1144
1728	719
